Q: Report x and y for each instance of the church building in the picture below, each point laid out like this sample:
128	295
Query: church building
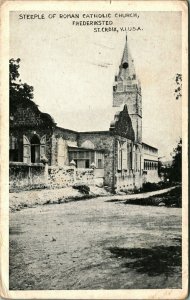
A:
118	156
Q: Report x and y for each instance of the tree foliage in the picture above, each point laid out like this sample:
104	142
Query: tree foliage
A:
176	168
178	90
18	91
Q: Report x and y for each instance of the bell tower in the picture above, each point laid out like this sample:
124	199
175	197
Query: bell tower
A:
127	90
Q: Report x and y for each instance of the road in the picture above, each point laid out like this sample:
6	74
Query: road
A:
95	244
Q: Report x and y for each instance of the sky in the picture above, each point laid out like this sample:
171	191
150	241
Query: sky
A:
72	69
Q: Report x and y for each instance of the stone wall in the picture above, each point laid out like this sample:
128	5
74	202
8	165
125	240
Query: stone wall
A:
128	182
30	176
26	176
125	182
59	177
151	176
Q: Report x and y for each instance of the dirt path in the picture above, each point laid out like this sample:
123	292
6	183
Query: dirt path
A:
95	244
141	195
32	198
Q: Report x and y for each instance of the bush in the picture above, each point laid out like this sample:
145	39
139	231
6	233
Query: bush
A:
82	188
152	186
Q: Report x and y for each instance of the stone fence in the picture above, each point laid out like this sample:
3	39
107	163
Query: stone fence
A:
67	176
151	176
128	182
23	175
30	176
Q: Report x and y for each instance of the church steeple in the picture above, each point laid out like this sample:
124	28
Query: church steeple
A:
126	72
127	90
126	68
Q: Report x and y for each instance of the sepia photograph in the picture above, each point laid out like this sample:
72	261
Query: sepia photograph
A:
97	150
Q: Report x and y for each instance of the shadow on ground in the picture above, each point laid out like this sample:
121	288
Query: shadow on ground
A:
154	261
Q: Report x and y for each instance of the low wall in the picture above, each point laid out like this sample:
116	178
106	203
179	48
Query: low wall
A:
99	177
128	182
151	176
135	181
26	176
30	176
125	182
85	175
67	176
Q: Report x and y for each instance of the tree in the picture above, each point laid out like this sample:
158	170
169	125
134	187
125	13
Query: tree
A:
178	90
176	168
160	167
18	91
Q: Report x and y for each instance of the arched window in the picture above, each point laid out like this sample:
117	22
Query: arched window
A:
35	149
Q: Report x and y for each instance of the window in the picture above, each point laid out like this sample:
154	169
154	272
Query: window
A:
13	149
35	149
125	65
119	157
124	157
87	163
81	155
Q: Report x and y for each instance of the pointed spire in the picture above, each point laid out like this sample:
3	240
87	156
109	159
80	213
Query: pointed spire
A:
127	68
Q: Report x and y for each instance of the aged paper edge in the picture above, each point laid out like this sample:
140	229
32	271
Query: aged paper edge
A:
80	6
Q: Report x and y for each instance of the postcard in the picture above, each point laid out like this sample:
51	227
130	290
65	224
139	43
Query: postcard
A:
94	166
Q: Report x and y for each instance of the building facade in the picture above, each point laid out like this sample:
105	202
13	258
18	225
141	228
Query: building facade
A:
117	155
